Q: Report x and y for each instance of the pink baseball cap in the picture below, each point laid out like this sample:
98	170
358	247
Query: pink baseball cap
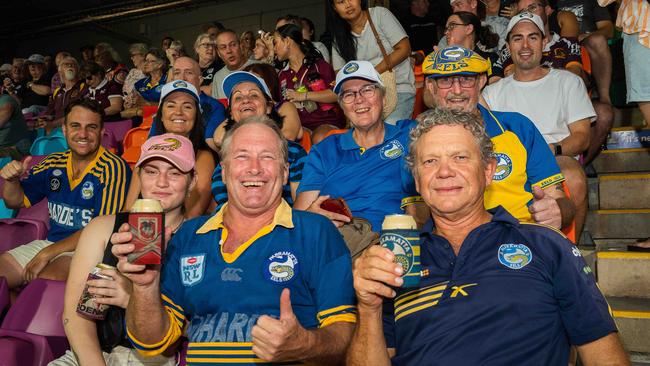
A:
175	149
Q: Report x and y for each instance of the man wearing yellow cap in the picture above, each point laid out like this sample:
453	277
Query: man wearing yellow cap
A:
527	181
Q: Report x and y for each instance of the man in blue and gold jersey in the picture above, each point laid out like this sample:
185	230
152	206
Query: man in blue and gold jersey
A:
527	181
493	290
255	283
80	183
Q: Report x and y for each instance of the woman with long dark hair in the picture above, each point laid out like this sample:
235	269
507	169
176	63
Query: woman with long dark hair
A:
348	22
464	29
306	79
180	113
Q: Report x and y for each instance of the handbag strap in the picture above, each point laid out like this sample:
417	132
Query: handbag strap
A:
379	43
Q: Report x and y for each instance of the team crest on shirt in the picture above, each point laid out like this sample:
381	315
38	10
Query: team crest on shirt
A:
504	166
55	184
192	268
87	190
391	150
514	256
281	267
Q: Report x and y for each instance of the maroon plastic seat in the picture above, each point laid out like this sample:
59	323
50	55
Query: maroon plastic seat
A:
16	352
109	142
119	128
4	295
19	231
35	318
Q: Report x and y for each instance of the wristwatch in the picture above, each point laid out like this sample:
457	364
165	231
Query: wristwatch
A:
558	149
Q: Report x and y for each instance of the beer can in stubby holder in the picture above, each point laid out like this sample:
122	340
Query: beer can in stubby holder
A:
399	233
147	223
87	306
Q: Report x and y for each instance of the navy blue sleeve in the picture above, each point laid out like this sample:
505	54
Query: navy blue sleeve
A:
583	307
297	157
214	113
36	185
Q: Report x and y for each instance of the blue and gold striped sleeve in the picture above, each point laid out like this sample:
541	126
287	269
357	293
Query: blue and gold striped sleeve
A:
114	178
174	332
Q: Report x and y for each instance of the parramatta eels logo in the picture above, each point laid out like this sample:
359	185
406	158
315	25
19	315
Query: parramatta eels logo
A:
281	267
87	190
170	145
180	84
392	150
401	247
514	256
350	68
504	166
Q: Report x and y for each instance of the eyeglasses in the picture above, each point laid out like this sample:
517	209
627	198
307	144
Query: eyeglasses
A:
208	45
532	8
366	91
448	82
450	27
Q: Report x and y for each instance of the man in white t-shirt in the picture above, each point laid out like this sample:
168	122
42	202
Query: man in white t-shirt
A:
230	52
555	100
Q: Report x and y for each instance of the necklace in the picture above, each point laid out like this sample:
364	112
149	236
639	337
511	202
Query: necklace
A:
178	226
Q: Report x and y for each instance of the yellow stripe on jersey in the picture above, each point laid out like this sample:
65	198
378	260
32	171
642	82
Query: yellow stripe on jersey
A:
337	309
341	318
418	300
415	309
419	292
174	332
555	179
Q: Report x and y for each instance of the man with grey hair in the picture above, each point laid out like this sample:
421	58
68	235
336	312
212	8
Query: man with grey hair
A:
485	275
265	261
71	89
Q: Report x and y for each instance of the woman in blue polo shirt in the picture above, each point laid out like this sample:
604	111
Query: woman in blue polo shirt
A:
155	69
365	166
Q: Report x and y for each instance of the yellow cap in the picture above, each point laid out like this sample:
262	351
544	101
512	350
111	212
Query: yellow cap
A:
454	60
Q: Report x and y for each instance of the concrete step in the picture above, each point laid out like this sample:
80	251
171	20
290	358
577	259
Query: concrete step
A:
624	274
618	224
624	191
628	138
639	358
623	161
632	316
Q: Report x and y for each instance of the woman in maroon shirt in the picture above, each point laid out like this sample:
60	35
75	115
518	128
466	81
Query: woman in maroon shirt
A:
306	80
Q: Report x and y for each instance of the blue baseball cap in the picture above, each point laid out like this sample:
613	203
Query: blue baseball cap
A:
182	86
238	77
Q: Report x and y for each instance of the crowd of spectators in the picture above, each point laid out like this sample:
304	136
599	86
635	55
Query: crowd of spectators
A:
346	108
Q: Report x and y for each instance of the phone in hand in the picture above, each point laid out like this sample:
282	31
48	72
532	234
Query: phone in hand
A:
336	205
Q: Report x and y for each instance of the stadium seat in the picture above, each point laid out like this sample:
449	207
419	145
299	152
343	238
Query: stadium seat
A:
119	128
19	231
5	212
132	142
305	141
54	142
4	295
109	142
33	325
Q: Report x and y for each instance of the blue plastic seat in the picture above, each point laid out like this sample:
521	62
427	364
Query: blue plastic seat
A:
45	145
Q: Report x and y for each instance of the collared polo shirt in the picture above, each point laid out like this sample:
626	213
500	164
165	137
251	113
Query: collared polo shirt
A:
516	294
221	295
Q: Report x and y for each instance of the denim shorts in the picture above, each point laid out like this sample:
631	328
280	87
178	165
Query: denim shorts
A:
637	68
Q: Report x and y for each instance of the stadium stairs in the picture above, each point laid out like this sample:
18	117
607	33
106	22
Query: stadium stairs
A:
619	214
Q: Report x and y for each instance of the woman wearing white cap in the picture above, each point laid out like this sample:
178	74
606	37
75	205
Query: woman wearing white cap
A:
249	96
180	112
364	166
166	175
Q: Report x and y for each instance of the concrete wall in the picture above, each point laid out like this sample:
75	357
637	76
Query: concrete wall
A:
182	23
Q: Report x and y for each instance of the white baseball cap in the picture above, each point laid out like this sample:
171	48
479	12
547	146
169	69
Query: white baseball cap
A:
356	70
182	86
525	17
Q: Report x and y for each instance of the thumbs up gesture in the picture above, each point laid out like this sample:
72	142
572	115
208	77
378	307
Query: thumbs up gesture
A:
281	339
15	169
545	209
